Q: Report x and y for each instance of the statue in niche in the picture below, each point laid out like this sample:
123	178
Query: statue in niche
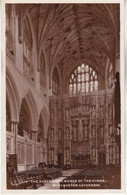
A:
85	129
102	112
67	133
93	112
66	114
80	131
102	134
93	131
75	124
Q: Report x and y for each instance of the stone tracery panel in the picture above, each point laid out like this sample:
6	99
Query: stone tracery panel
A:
20	152
84	130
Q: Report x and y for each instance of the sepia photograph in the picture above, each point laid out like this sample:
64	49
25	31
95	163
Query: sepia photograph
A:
63	96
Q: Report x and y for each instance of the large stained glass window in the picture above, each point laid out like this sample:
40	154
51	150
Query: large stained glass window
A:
83	80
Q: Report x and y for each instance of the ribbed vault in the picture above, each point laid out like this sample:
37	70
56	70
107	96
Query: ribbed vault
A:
75	33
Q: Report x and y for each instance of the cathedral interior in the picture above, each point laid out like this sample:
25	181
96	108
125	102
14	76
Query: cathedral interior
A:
62	88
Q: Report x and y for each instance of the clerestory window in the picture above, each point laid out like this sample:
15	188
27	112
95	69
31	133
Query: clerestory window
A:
83	80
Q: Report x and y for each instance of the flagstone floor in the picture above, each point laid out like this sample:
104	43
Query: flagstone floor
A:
55	183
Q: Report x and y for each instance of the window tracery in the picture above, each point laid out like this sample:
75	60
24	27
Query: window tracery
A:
83	80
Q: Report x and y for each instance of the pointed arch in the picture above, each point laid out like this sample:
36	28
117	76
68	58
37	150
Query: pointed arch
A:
13	96
28	96
25	119
34	36
83	80
45	120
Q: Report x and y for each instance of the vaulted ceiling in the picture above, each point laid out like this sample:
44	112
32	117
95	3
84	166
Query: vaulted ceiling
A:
72	34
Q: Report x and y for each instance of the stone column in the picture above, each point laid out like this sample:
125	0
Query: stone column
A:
34	137
14	130
37	76
45	150
25	151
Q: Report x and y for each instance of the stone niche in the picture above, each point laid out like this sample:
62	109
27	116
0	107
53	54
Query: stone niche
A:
80	126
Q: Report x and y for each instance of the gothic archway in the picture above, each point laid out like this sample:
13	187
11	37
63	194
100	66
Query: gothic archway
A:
40	134
32	105
12	96
25	121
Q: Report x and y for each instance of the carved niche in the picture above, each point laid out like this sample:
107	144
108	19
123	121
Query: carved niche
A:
74	129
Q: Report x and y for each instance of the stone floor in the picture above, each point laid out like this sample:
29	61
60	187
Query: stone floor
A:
54	184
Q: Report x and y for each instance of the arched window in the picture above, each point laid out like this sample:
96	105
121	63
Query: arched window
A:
83	80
